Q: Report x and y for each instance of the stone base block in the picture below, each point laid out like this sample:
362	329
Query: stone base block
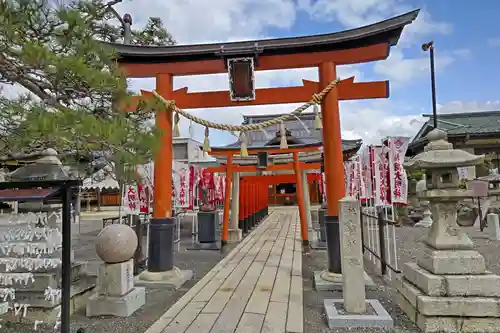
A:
116	279
452	262
204	246
435	324
447	306
335	282
486	285
423	223
175	278
376	316
235	235
122	306
458	325
318	245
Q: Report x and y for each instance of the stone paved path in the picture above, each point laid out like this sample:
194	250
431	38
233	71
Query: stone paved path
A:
255	288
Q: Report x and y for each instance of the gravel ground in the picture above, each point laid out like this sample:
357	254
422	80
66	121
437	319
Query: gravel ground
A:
409	246
158	299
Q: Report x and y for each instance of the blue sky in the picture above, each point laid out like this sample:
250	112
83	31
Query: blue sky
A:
474	76
466	35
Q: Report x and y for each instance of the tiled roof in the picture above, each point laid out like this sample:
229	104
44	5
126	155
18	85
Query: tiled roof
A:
469	122
303	132
457	124
347	145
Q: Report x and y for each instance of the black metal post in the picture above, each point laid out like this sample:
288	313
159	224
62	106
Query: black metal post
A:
381	239
322	212
332	227
433	87
138	252
161	244
480	214
207	230
361	221
430	47
66	260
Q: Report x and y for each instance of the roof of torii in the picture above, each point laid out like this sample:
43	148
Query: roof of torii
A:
384	32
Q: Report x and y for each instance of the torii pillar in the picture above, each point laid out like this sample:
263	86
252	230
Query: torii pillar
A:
161	267
235	233
334	164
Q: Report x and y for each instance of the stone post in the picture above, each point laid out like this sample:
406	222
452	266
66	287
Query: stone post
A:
116	294
307	200
493	226
352	256
354	310
235	233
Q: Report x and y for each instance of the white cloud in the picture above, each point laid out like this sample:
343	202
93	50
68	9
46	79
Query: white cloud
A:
468	106
404	70
374	120
193	21
357	13
423	26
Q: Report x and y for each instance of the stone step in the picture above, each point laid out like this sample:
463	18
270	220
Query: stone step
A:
36	299
485	285
49	279
447	306
452	262
434	324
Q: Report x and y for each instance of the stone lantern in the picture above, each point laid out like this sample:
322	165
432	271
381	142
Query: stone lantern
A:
440	161
448	289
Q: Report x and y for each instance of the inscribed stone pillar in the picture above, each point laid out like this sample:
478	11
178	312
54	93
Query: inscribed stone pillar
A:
493	226
352	256
307	199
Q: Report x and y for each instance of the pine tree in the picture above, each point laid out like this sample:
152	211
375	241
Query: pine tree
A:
74	91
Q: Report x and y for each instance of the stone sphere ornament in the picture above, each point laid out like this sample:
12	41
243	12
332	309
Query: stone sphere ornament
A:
116	243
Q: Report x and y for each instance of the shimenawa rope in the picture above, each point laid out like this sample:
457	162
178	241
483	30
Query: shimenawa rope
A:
316	99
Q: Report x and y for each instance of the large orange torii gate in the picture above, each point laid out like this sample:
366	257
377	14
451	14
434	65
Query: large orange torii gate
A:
241	60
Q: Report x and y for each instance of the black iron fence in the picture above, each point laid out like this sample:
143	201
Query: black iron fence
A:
379	239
